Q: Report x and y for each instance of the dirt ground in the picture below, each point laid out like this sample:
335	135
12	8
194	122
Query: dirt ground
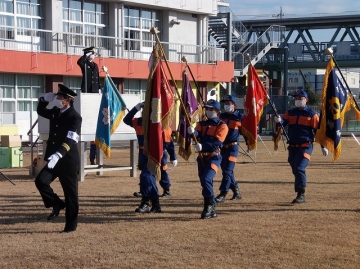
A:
263	230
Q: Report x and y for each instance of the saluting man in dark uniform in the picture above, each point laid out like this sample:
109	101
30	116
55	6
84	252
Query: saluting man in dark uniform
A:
62	155
90	71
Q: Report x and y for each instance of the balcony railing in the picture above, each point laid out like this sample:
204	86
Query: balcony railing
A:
24	39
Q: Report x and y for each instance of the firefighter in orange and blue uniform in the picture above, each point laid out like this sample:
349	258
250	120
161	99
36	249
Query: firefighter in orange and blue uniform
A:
148	188
169	149
230	149
302	124
211	134
147	180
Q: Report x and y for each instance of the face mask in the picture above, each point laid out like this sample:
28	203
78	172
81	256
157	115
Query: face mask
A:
300	103
211	114
91	57
58	103
229	108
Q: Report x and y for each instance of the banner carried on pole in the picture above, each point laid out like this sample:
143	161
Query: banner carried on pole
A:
194	112
254	104
111	112
335	104
158	112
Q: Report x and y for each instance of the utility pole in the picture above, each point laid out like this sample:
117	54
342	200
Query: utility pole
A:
280	15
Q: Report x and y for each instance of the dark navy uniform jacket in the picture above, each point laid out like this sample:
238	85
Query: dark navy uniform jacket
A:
65	129
302	125
233	121
92	75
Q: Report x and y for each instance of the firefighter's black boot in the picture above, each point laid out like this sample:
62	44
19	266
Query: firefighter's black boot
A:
300	198
209	209
237	194
221	197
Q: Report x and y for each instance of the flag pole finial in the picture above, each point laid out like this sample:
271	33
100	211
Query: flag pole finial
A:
247	57
105	69
183	59
329	51
154	30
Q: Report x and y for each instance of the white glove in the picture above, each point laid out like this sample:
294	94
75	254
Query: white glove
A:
88	54
53	159
174	163
277	119
139	106
325	151
190	130
49	97
198	147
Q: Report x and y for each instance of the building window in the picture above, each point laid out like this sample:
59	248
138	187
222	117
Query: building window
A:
19	93
73	83
135	86
137	25
25	15
28	15
84	17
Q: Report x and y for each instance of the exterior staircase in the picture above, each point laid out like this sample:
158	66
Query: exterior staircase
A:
231	34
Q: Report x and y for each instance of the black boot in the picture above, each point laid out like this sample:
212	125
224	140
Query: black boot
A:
221	197
144	205
209	209
137	194
300	198
92	161
155	206
166	193
237	194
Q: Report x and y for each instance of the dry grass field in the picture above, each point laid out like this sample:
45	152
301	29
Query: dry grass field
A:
263	230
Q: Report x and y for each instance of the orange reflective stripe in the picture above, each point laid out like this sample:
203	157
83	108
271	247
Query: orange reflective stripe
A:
285	116
210	130
222	132
306	121
291	119
307	156
315	121
232	159
214	167
233	124
167	134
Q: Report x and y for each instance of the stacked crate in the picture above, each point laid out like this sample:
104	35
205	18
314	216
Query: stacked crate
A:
11	154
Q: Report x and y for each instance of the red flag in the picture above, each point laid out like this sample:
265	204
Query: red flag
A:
158	113
255	101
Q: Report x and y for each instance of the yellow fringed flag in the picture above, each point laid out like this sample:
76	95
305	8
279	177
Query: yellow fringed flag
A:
335	103
111	112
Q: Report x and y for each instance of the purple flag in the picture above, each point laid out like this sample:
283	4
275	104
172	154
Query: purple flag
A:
193	111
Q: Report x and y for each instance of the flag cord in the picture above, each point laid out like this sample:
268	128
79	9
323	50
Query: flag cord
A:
154	32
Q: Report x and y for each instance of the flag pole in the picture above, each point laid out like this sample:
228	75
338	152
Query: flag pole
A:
154	31
105	69
183	59
355	138
247	57
329	51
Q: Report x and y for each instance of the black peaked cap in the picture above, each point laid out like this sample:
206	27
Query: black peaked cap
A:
65	91
89	49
